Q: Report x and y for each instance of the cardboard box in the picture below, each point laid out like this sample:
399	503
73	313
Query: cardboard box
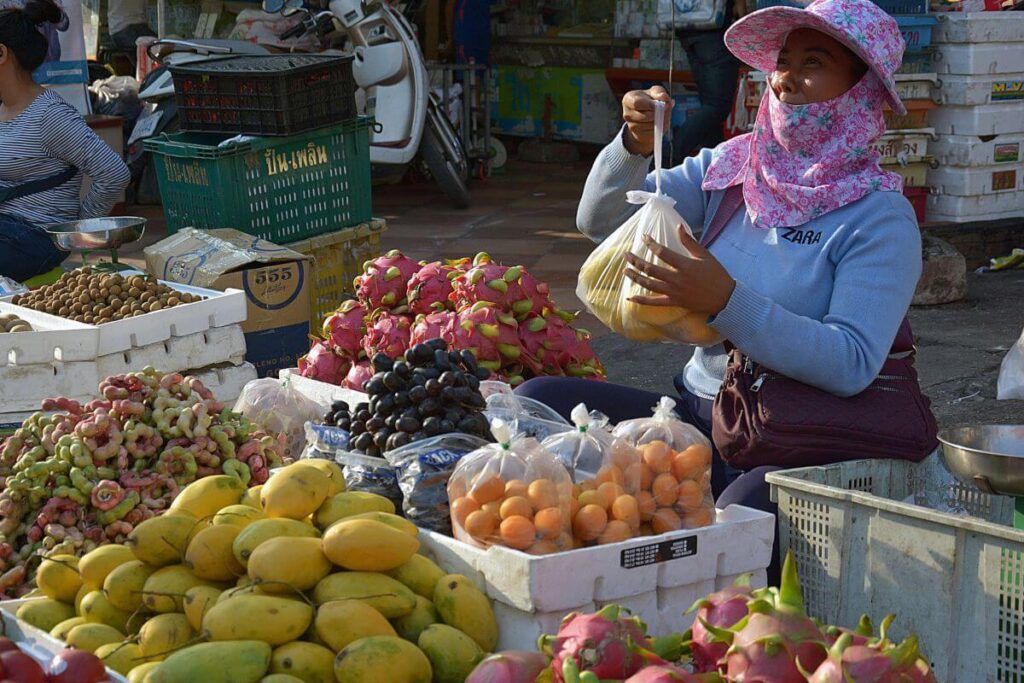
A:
275	280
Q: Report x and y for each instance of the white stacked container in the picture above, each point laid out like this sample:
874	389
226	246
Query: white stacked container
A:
980	125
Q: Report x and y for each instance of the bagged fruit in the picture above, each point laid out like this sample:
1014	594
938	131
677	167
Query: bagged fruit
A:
371	475
278	407
591	452
675	483
324	441
606	291
525	416
512	493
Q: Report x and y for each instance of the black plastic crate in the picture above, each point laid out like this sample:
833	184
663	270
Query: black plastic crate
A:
267	95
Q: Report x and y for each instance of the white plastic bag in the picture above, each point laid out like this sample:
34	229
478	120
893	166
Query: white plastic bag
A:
525	416
277	407
605	289
1011	373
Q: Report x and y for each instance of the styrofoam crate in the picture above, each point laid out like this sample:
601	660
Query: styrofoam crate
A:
982	120
225	380
988	89
868	537
947	208
656	577
970	150
978	58
917	88
36	643
904	146
979	27
914	172
968	181
26	385
53	338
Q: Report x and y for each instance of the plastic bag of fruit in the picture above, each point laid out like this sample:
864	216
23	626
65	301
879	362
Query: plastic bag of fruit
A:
525	416
324	441
423	469
371	474
279	407
592	452
606	291
675	490
512	493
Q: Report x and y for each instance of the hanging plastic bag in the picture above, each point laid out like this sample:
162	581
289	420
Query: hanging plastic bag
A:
525	416
423	469
512	493
278	407
675	491
1011	373
606	291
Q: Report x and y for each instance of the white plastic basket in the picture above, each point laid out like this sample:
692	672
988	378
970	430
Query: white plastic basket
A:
869	537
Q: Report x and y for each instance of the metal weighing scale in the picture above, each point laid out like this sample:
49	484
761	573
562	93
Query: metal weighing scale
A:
98	235
990	457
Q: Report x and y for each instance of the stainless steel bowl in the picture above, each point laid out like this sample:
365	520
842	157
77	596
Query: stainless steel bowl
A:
991	457
97	233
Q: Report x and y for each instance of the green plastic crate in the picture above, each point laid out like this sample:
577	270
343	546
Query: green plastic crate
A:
280	189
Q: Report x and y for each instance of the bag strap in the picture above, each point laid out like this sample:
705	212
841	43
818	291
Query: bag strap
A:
37	186
732	200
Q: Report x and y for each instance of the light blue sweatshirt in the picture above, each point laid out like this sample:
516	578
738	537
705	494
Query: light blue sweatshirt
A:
820	303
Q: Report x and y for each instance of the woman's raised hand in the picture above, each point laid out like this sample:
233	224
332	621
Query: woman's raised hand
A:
638	113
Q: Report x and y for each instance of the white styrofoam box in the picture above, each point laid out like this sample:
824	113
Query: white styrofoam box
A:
969	150
26	385
978	58
979	27
987	207
983	119
225	380
904	146
987	89
35	642
52	338
658	578
967	181
914	173
322	392
915	86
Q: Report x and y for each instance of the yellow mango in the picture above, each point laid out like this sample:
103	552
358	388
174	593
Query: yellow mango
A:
349	503
210	555
197	600
45	613
96	609
164	635
453	655
462	605
58	578
273	620
90	636
306	661
412	624
123	586
161	541
97	563
241	661
121	657
82	592
280	678
60	631
238	590
287	564
420	574
382	658
165	590
368	545
140	671
394	521
251	497
334	473
341	622
295	492
381	592
205	497
238	515
262	530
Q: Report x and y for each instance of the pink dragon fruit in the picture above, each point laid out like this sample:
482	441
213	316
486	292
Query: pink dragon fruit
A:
388	334
384	280
666	673
436	325
583	362
511	288
514	666
430	288
358	375
606	643
491	334
547	341
344	329
874	663
323	364
723	610
862	635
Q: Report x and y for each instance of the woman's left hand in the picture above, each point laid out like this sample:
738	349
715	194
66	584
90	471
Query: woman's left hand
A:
697	282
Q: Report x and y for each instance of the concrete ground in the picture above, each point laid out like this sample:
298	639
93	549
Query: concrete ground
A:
526	216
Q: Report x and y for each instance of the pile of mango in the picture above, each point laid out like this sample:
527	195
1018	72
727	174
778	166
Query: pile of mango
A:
294	581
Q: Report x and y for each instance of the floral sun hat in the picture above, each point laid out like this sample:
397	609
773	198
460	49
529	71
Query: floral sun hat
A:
860	25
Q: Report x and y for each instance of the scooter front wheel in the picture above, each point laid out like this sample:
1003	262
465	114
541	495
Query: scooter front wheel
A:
446	162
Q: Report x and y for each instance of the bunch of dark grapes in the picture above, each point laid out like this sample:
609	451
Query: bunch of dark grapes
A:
430	391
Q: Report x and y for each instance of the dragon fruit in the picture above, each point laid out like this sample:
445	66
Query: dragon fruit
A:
436	325
509	667
862	635
666	673
873	663
606	643
583	362
323	364
491	334
430	288
511	288
547	341
388	334
344	329
358	375
384	281
723	609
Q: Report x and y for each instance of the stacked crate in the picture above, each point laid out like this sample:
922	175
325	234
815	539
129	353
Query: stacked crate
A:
980	125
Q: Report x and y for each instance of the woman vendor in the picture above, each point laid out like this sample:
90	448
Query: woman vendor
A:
815	272
46	149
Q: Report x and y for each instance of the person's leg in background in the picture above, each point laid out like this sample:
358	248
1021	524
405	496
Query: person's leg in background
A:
26	250
716	71
127	22
750	489
562	394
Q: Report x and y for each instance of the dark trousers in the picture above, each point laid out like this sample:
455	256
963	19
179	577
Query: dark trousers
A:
25	249
729	485
716	71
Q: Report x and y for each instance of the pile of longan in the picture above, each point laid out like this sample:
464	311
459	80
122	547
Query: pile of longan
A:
97	298
9	322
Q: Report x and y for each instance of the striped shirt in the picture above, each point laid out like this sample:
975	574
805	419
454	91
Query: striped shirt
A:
48	137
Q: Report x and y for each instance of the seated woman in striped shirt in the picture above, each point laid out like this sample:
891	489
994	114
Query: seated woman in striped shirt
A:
46	149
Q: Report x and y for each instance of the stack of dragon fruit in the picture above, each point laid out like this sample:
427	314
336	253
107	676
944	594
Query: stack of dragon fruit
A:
739	635
502	314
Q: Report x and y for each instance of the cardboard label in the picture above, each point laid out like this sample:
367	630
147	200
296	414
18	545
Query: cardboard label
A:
901	147
1004	180
1006	152
274	350
654	553
274	287
1004	91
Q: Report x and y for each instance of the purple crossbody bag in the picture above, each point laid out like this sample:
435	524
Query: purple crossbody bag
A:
761	417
